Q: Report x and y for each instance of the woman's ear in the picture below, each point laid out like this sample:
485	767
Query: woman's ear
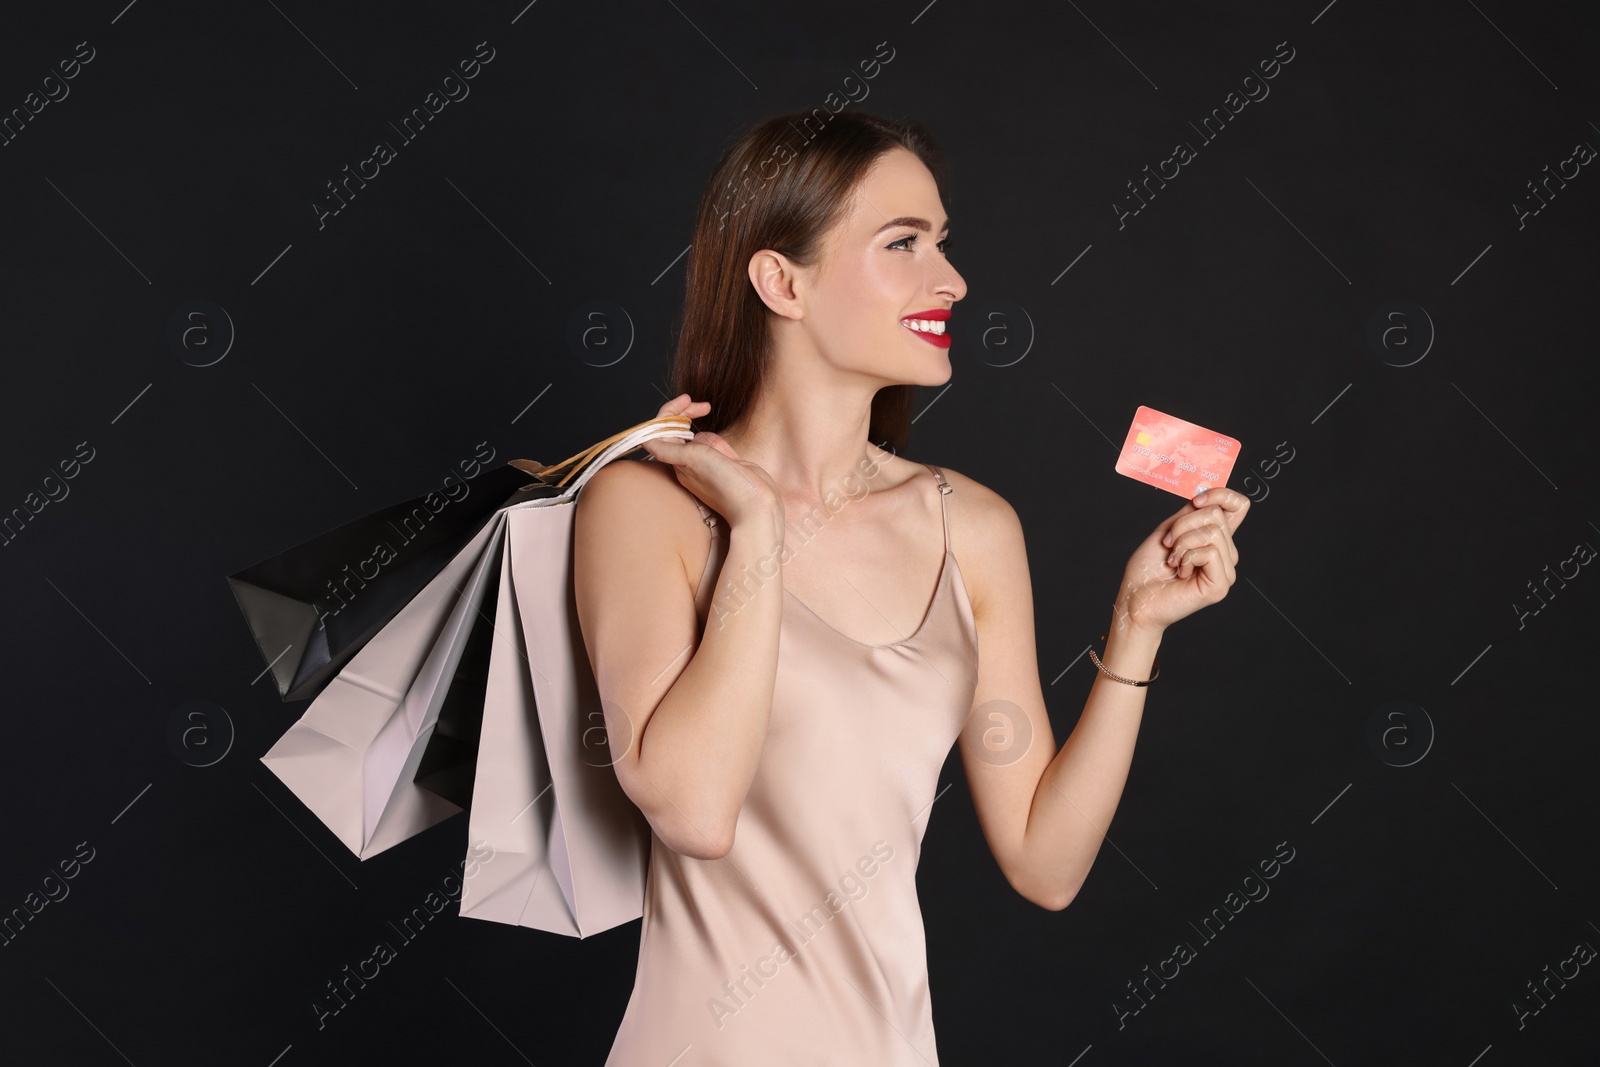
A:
775	277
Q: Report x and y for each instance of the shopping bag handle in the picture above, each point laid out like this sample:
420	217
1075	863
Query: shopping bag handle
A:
618	444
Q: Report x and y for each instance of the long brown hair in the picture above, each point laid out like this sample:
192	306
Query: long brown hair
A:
782	185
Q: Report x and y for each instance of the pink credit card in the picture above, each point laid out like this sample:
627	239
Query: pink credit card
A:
1180	457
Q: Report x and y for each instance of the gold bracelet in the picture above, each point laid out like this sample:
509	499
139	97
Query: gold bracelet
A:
1156	663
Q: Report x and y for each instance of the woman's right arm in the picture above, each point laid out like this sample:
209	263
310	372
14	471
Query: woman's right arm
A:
685	716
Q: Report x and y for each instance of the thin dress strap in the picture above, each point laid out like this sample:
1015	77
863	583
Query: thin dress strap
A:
706	515
945	489
703	589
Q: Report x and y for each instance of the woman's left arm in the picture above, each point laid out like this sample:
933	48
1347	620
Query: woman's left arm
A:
1045	812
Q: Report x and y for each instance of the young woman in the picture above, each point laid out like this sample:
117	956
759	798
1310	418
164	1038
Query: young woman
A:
787	658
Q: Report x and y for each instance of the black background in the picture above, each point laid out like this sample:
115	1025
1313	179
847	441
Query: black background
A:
1385	561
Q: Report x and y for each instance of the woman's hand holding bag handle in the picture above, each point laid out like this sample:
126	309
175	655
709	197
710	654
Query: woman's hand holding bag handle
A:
555	843
740	491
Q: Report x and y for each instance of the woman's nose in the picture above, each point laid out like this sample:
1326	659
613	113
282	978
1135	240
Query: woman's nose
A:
948	282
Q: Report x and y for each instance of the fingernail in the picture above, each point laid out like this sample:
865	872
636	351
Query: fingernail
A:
1167	540
1201	499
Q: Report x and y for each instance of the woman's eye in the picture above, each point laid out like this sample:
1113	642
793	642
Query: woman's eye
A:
944	245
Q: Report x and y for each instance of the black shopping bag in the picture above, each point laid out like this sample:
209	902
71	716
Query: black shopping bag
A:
313	606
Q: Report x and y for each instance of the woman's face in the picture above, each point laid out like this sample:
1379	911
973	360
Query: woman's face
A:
883	264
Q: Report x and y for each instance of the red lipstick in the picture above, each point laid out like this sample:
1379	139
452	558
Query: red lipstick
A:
937	339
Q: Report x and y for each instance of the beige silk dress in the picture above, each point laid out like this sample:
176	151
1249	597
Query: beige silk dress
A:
804	945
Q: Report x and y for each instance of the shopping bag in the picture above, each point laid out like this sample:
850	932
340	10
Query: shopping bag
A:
310	608
364	757
353	756
567	849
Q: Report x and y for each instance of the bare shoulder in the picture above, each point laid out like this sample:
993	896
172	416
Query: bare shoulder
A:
980	515
985	533
644	495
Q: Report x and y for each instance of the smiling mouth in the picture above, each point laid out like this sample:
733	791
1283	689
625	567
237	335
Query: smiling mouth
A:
930	330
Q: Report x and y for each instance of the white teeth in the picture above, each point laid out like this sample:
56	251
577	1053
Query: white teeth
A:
935	326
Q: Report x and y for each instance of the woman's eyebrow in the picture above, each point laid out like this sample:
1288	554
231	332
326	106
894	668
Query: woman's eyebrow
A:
912	221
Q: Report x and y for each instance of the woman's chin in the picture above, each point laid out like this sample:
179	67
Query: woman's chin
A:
937	367
930	363
927	366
